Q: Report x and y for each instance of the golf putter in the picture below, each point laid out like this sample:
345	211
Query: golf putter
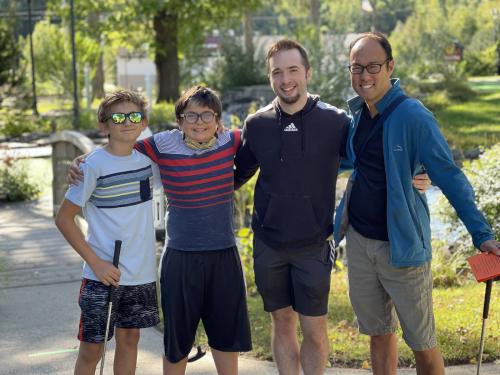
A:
486	309
112	290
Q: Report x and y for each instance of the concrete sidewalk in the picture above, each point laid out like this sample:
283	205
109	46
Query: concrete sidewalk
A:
39	311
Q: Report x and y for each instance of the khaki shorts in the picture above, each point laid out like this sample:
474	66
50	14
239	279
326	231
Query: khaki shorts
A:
379	291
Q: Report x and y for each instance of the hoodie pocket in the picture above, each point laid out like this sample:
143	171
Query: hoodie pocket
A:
292	216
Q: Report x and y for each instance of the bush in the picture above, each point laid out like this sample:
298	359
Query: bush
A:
16	123
483	175
162	116
235	68
15	184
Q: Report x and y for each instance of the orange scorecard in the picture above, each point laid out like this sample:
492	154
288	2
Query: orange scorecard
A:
485	266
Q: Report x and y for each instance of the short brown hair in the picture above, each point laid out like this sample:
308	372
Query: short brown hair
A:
119	96
378	37
285	45
201	95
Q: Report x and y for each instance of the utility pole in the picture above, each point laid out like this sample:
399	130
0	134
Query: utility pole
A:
76	115
32	55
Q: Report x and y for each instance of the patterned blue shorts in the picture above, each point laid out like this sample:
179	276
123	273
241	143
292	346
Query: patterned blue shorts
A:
135	306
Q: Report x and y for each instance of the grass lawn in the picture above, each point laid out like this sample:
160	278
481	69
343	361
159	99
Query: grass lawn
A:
477	121
458	314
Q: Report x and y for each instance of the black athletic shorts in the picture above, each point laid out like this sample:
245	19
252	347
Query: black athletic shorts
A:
293	277
135	306
206	285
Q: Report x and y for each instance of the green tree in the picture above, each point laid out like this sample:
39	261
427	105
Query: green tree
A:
420	43
11	61
52	49
343	16
180	25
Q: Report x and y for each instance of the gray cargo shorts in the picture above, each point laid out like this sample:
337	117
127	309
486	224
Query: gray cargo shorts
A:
379	292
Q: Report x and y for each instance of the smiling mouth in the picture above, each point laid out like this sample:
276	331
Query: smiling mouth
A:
288	90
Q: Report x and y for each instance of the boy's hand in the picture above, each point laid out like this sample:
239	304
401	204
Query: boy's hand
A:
107	273
75	175
491	246
422	182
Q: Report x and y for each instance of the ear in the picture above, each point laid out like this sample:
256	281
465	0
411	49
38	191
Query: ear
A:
145	123
309	73
390	66
104	128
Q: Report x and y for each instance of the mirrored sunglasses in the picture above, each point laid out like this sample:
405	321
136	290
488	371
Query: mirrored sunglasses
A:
119	118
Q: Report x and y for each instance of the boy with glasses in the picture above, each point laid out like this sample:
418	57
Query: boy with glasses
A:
115	198
201	274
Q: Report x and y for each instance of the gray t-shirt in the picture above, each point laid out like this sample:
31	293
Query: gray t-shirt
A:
116	200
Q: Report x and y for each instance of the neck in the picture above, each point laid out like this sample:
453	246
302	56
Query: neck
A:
292	108
119	149
372	109
199	145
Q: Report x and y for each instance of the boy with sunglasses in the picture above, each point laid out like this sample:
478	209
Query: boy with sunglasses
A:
115	198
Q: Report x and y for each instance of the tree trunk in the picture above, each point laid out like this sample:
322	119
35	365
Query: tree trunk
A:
98	78
248	35
315	15
167	63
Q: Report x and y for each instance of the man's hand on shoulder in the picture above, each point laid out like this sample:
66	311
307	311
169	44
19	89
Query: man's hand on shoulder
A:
491	246
75	175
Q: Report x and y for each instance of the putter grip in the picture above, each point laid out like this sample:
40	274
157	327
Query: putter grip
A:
487	297
116	255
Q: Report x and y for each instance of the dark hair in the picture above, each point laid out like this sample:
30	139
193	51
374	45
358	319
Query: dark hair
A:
285	45
377	36
120	96
203	96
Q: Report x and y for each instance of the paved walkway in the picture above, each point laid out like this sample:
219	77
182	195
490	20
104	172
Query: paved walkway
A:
39	281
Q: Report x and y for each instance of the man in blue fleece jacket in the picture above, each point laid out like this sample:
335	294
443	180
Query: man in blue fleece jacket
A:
388	231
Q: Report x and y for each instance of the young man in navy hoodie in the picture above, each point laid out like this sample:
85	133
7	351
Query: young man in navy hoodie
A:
388	236
297	142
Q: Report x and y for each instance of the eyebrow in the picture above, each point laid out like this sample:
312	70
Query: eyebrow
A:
286	68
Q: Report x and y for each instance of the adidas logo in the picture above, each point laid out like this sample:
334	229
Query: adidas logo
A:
291	128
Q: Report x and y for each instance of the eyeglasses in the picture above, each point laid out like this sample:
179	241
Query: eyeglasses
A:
119	118
372	68
192	117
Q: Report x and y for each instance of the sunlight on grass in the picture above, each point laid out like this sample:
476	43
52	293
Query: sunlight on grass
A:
474	123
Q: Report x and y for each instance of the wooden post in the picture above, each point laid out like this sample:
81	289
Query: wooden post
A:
66	146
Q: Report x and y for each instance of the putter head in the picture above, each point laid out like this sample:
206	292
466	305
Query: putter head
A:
199	354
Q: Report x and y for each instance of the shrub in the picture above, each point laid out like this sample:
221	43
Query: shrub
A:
16	123
15	184
162	116
236	68
437	100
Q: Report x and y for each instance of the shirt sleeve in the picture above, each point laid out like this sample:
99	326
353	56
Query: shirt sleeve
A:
438	162
147	147
245	162
81	193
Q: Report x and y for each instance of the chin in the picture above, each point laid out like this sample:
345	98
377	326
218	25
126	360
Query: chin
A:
290	99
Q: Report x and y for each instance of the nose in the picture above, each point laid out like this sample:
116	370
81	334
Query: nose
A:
199	120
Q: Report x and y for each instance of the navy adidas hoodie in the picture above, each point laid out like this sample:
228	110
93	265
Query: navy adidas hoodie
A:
298	156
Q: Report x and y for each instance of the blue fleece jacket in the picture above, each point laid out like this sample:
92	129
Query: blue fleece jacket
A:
412	140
